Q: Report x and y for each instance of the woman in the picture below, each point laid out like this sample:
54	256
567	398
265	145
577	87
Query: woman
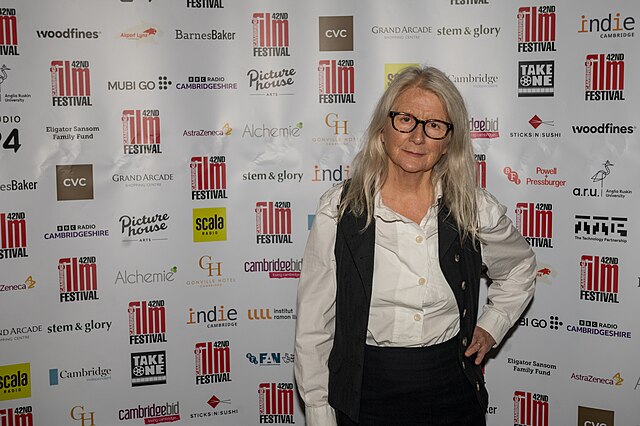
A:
388	329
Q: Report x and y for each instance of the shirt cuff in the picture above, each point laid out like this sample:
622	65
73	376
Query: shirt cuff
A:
494	323
322	415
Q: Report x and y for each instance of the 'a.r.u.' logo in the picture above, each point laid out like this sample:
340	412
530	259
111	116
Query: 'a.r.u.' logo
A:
78	413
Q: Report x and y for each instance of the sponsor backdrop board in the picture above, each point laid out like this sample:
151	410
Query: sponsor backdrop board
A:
160	164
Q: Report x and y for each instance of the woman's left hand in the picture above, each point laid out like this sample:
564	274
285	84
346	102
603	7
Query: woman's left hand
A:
481	343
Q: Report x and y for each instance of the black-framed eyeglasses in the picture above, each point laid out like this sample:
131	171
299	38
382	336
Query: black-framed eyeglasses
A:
404	122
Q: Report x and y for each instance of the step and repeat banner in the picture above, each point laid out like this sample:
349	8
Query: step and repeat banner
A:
161	161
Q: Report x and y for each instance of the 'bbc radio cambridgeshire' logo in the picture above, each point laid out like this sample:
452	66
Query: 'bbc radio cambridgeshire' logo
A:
209	224
16	381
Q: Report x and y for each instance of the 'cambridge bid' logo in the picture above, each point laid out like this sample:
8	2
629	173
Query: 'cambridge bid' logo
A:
209	224
15	381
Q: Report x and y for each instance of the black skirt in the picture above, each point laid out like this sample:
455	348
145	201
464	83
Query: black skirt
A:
416	386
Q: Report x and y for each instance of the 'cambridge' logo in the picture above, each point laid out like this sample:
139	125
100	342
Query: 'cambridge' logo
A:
209	224
15	381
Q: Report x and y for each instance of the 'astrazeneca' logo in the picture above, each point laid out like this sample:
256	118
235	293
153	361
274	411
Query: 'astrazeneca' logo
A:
595	416
8	32
336	33
15	381
532	367
208	177
147	322
143	228
69	33
273	222
213	317
481	170
209	224
269	359
89	374
141	131
392	70
72	133
19	416
276	268
28	284
599	277
74	182
270	34
601	228
541	177
604	77
615	380
536	78
163	83
226	130
535	223
70	83
266	82
210	35
330	174
212	362
210	82
13	235
143	33
275	403
611	26
148	368
537	29
162	412
78	279
530	409
336	79
484	128
137	277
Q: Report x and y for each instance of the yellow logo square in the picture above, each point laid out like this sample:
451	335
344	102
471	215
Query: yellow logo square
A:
15	381
209	224
391	70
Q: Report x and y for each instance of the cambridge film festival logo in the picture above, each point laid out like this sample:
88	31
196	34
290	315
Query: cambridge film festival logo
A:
8	32
599	276
604	77
537	29
141	131
270	34
70	83
13	235
530	409
78	279
74	182
336	81
336	33
19	416
535	223
275	402
208	177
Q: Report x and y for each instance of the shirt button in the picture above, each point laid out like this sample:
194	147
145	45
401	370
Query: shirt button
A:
419	239
417	317
463	365
422	281
463	284
464	313
456	257
464	341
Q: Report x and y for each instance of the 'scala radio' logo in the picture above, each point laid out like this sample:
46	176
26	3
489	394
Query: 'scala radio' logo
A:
208	177
70	83
141	131
78	279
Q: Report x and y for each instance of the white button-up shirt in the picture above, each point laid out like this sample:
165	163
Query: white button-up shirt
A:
411	303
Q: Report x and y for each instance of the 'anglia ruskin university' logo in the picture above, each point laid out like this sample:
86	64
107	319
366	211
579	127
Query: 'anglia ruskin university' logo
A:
530	409
141	131
208	177
273	222
78	279
147	322
604	77
275	403
70	83
270	34
537	29
599	278
535	223
8	32
13	235
212	361
336	81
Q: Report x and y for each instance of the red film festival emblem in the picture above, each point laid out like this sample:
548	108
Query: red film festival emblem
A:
536	29
141	131
78	278
212	360
530	409
70	83
8	33
336	81
147	322
270	34
604	77
273	222
18	416
13	235
535	223
599	278
208	178
275	402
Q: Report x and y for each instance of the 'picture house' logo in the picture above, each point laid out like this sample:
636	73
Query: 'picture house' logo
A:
273	222
604	77
535	223
530	409
208	178
141	131
8	32
275	402
147	322
537	29
270	34
78	279
70	83
13	235
599	278
212	360
336	81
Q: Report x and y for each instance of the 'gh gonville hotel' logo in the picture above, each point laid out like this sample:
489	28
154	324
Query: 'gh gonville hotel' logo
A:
8	33
535	223
599	278
273	222
270	34
604	77
212	360
78	279
275	402
13	235
537	29
70	83
336	81
141	131
208	177
147	322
